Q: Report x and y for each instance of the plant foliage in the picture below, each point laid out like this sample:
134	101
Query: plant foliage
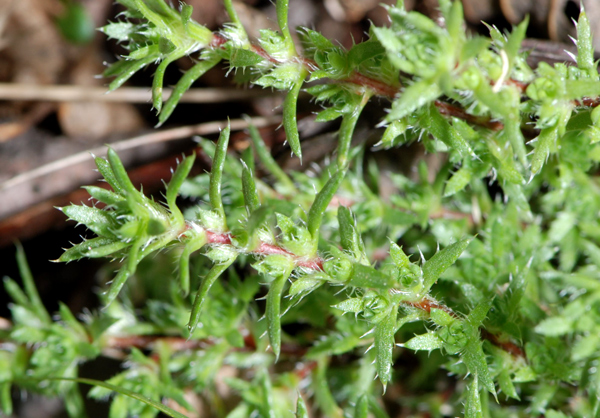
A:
499	291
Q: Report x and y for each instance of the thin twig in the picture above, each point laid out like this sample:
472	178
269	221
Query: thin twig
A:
138	141
62	93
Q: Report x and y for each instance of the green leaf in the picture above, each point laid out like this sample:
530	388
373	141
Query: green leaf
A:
398	256
120	175
362	407
436	265
216	173
93	248
105	196
427	342
214	273
354	305
544	142
384	345
554	326
184	84
441	317
244	58
251	199
474	359
99	221
586	347
585	47
273	309
320	204
364	51
350	239
129	68
177	180
75	24
368	277
473	402
159	75
108	174
440	128
301	411
506	385
479	313
393	131
290	123
29	285
458	181
346	132
412	98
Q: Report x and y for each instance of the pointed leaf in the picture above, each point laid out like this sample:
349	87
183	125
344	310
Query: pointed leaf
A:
319	206
436	265
181	173
29	286
473	402
216	173
251	199
384	345
214	273
92	248
427	342
412	98
290	123
101	222
184	84
273	309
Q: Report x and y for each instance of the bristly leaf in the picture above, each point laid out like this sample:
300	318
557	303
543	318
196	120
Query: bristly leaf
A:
120	175
319	206
428	342
273	309
473	401
251	199
101	222
585	47
214	273
436	265
544	142
384	345
108	174
93	248
181	173
290	122
29	286
216	173
301	411
412	98
159	75
183	85
350	239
